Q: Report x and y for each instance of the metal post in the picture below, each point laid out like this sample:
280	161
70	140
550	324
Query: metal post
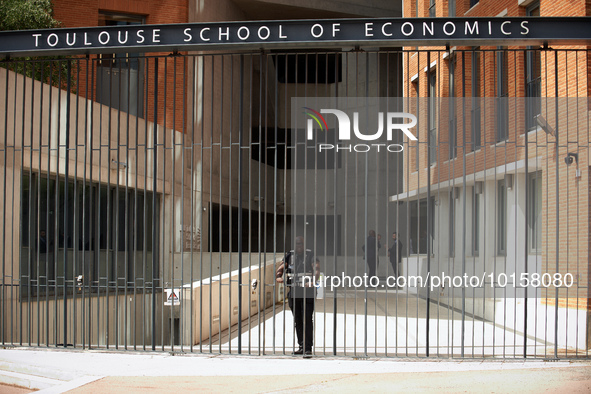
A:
240	180
154	210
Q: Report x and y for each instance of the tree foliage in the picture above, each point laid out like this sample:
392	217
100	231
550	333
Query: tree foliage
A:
27	15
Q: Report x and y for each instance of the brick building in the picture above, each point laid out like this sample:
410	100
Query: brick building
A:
487	185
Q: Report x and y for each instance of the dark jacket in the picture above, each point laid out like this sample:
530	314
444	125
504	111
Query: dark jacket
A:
395	252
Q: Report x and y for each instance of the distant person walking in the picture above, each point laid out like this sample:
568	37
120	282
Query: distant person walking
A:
395	253
370	250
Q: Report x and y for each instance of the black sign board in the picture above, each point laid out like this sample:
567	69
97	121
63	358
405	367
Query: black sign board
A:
390	32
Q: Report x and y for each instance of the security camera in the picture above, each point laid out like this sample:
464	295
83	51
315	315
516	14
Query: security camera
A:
571	158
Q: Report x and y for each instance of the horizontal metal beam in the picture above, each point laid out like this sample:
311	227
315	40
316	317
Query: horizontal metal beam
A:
393	32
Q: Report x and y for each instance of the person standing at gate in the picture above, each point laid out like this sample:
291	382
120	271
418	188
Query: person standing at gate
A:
370	250
395	253
299	270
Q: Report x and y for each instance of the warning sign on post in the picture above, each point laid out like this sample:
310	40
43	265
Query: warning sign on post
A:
173	297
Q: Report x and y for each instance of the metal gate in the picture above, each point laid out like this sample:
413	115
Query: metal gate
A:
147	201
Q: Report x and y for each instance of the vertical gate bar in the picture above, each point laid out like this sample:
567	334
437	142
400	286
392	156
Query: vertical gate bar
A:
515	191
127	248
21	226
202	97
356	212
337	240
288	148
165	252
526	219
240	179
429	219
221	209
481	98
202	188
173	184
463	211
418	298
154	208
117	210
11	275
210	224
4	231
387	55
557	202
84	206
38	205
169	252
14	318
275	198
33	245
379	160
191	113
56	234
50	253
231	240
365	210
439	105
408	174
182	249
76	220
262	223
144	258
568	192
577	208
21	232
47	203
109	244
99	218
89	146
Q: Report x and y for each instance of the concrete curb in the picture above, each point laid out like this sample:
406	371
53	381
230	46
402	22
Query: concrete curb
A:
28	381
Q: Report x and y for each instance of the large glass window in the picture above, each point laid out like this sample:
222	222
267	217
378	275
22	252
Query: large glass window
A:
452	223
120	79
453	151
432	117
534	211
475	222
501	217
533	78
69	228
502	74
422	223
475	114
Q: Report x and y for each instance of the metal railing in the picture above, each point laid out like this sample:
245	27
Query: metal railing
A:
150	209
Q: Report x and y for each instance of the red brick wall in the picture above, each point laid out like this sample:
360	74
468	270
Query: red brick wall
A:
85	13
574	80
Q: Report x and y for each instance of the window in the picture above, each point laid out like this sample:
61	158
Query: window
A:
534	211
432	117
533	78
417	145
108	237
452	222
473	3
422	223
120	79
502	114
453	150
475	111
309	68
501	217
475	221
431	8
